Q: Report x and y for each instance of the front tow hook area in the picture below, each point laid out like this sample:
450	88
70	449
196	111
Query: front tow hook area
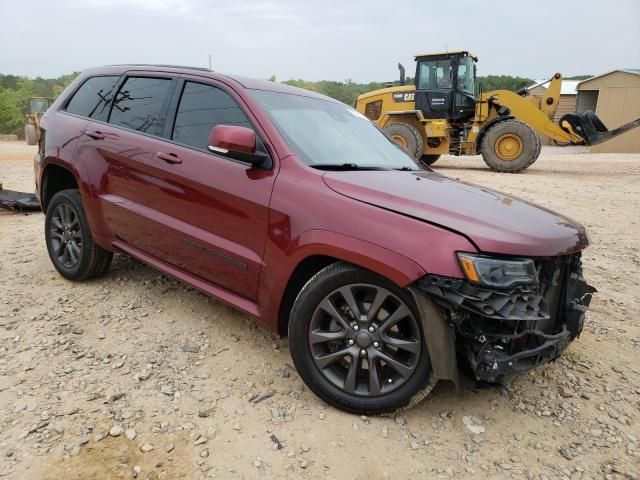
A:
499	333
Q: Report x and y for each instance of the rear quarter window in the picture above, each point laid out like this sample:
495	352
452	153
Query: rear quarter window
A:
93	98
141	104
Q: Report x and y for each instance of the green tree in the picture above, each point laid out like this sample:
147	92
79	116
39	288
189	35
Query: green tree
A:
14	97
11	115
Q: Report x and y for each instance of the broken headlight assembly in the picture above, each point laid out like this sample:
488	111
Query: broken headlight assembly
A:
498	272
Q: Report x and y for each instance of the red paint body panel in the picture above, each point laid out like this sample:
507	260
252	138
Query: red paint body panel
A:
238	233
495	222
233	137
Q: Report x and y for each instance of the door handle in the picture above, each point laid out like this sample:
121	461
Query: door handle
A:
169	157
94	134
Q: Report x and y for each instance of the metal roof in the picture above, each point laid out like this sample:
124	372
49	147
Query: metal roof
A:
634	71
568	87
452	52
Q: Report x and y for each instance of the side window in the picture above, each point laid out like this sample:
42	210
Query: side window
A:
141	104
93	98
201	108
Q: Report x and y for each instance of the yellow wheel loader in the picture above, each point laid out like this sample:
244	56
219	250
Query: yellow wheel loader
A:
443	113
37	107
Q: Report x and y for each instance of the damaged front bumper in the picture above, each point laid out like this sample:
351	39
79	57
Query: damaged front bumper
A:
502	332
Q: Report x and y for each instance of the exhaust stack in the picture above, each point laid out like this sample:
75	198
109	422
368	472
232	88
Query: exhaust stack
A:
401	68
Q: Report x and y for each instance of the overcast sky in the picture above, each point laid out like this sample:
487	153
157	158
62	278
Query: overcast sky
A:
336	39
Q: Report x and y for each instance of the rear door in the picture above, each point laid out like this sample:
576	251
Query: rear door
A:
214	210
118	152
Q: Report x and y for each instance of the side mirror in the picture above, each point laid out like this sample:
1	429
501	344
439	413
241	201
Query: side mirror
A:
235	142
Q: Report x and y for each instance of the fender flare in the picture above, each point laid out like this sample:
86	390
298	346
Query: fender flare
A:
385	119
387	263
68	166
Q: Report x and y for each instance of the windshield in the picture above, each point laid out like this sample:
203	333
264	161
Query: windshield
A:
326	133
466	80
435	74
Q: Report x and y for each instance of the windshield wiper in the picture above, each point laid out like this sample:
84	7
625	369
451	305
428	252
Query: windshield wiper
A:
406	169
345	166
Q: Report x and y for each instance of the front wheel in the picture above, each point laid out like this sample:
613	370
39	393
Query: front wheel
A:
357	341
407	137
510	146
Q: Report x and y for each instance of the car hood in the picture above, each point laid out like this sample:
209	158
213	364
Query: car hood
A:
493	221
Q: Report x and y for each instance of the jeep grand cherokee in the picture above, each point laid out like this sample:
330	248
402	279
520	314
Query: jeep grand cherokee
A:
297	210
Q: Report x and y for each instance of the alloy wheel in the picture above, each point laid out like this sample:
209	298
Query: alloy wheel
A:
364	340
66	236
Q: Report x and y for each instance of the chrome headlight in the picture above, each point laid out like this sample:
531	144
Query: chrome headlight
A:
498	272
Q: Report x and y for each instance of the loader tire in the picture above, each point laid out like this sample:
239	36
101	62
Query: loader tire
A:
510	146
407	137
428	160
30	134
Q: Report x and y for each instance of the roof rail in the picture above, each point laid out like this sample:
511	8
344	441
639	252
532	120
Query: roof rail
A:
186	67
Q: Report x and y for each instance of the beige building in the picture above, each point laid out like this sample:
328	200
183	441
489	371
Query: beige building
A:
566	104
615	97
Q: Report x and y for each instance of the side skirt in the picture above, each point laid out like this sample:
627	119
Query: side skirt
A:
235	301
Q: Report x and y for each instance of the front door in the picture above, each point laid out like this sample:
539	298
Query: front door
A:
214	210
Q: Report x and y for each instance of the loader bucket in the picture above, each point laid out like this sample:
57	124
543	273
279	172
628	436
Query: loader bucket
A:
591	129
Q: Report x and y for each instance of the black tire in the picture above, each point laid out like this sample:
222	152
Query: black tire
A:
72	250
429	160
407	137
406	391
510	146
30	134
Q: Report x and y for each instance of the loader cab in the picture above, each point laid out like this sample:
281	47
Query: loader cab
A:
39	104
445	85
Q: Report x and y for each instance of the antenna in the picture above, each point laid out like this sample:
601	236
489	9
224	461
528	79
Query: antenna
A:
446	48
209	61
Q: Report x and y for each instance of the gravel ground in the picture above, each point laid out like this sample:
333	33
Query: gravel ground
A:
137	375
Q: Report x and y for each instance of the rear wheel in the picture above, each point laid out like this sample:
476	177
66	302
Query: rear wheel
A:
510	146
356	339
429	160
69	243
407	137
30	134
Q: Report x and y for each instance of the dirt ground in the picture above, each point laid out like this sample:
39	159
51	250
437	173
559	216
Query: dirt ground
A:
95	382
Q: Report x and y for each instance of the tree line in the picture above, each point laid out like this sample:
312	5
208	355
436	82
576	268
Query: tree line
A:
15	92
14	97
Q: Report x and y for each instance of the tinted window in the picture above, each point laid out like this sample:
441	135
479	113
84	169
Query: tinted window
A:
93	98
140	104
202	107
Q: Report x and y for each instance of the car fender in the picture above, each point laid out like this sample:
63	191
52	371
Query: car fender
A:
86	192
315	242
397	268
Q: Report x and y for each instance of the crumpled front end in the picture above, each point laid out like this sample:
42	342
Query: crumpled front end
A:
503	332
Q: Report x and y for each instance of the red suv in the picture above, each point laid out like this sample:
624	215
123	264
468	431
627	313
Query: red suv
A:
297	210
